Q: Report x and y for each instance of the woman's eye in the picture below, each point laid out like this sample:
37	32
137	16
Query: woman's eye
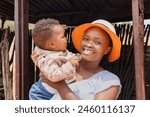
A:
85	39
97	42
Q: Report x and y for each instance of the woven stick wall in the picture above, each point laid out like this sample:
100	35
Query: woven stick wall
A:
124	67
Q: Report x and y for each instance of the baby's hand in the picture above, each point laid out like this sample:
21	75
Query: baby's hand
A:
79	56
74	61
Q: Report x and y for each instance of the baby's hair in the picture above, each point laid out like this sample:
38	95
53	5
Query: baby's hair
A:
43	30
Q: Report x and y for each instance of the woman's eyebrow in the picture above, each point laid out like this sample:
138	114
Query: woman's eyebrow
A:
86	36
98	38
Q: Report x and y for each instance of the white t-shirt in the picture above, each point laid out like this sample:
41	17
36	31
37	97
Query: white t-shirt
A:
87	89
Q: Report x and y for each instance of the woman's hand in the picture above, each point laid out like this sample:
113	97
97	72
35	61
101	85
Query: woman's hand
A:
55	85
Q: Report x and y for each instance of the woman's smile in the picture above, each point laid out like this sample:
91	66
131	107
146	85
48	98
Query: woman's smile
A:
87	51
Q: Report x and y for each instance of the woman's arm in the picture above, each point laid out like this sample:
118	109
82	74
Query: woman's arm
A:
66	94
109	94
62	88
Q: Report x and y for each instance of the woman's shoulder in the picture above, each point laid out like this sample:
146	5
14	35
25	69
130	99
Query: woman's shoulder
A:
105	79
106	75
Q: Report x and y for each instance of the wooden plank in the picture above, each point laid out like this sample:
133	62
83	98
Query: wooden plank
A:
138	30
7	80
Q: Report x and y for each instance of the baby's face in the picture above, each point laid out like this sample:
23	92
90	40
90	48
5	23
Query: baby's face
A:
59	38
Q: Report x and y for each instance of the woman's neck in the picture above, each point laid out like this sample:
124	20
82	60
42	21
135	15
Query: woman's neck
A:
91	67
87	69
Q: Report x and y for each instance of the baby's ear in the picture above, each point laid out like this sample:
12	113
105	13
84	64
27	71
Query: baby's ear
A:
51	44
107	50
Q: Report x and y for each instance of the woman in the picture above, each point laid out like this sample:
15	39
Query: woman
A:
93	41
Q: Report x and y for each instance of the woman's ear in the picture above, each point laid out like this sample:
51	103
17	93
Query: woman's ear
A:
107	50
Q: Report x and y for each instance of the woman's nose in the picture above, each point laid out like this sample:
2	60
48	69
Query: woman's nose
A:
89	44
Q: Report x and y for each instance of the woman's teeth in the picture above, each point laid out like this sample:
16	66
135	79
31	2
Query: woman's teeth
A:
87	51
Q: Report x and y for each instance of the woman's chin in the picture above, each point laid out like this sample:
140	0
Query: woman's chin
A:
87	57
90	58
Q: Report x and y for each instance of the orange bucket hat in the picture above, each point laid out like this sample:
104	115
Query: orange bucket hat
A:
78	33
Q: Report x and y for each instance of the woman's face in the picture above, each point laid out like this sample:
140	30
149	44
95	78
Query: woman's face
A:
94	44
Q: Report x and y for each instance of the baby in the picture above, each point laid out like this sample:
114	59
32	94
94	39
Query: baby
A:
50	55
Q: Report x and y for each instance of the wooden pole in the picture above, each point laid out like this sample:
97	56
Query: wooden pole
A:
21	46
138	30
3	21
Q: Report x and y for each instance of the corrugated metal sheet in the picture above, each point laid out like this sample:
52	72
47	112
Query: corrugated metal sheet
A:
73	12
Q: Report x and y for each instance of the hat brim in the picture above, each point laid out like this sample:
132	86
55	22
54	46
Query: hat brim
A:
78	33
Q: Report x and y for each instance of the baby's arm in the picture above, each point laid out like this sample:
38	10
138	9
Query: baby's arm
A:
51	69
